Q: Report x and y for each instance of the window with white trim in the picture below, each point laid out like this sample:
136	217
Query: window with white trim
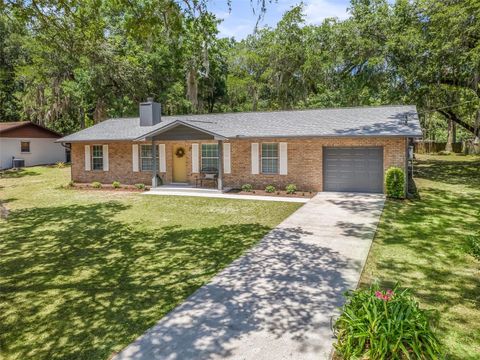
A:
97	157
210	157
146	158
269	158
25	146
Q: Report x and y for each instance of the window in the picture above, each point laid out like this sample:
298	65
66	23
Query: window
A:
146	158
270	158
25	146
97	157
210	157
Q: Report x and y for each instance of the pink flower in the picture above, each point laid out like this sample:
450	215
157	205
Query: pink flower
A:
388	295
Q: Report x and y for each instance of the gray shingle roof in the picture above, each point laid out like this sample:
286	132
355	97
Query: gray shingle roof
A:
400	120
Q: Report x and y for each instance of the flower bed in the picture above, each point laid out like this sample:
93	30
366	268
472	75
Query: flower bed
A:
105	187
385	324
278	193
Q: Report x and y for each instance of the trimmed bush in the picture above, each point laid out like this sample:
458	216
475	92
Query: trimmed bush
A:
389	324
395	183
247	187
96	185
116	184
291	189
270	189
140	186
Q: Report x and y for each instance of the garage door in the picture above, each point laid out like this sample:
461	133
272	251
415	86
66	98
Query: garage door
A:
353	169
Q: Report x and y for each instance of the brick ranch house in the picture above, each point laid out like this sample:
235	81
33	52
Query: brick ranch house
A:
343	149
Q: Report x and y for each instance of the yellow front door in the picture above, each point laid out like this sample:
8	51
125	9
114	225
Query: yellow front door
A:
179	164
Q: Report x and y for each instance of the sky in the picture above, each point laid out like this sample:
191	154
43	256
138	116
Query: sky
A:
240	21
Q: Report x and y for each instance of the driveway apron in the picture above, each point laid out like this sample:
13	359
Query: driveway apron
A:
276	301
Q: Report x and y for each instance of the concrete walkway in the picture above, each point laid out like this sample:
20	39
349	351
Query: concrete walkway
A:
277	301
213	193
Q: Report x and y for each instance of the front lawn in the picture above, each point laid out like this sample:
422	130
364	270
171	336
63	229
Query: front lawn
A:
83	273
422	242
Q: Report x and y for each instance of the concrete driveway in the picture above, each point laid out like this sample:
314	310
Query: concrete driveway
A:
277	301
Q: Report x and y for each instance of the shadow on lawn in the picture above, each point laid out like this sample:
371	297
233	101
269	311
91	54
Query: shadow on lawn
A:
17	173
450	172
286	289
422	245
77	284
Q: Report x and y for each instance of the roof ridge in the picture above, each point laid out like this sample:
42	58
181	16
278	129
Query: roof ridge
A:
272	111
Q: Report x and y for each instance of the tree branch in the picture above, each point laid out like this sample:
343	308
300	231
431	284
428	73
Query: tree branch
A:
452	116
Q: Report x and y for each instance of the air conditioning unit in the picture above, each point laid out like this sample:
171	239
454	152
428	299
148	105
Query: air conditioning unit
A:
18	163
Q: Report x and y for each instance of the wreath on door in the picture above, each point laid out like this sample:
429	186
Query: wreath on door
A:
180	152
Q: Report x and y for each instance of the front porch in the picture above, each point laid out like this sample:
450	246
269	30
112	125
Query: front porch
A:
186	159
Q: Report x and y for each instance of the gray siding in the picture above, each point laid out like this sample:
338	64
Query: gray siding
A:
182	132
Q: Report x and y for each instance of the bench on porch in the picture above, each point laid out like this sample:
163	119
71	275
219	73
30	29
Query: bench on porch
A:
207	175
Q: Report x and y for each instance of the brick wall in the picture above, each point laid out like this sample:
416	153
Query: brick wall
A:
304	161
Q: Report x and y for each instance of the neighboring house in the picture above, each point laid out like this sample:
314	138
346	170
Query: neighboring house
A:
33	143
344	149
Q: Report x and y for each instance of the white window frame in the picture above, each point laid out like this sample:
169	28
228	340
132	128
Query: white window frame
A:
145	157
97	157
29	148
209	157
277	158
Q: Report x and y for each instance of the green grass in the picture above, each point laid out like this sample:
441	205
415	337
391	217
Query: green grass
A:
421	243
83	273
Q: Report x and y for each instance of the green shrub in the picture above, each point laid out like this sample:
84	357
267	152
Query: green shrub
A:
96	185
247	188
291	189
140	186
71	183
116	184
395	183
270	189
473	246
388	324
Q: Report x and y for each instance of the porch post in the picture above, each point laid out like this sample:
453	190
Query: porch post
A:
220	164
155	161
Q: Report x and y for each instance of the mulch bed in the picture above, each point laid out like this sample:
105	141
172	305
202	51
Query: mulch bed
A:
107	187
298	194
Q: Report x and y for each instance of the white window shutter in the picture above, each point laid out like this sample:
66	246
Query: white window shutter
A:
226	159
162	158
255	167
88	165
283	158
135	157
194	158
105	158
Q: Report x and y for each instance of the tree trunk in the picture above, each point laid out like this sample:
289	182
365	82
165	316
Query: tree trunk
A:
255	99
477	127
448	146
192	88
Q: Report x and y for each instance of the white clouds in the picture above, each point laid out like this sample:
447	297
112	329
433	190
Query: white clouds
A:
318	10
241	21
